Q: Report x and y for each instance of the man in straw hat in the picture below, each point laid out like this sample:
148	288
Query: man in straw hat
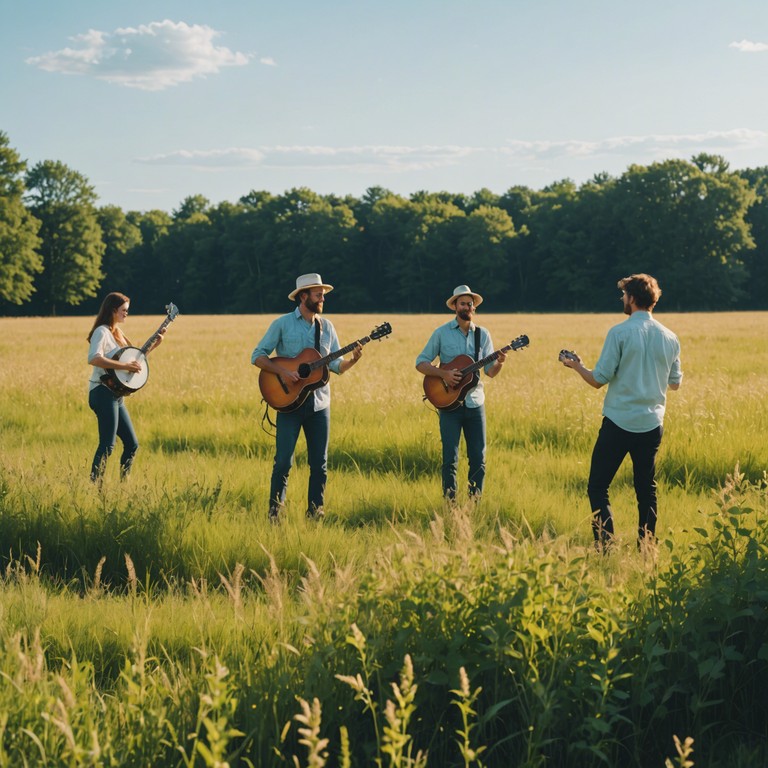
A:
289	335
460	336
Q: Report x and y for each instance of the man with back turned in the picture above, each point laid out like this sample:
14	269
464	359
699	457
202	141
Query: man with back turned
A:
640	360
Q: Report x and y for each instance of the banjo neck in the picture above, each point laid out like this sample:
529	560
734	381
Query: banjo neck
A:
172	312
153	338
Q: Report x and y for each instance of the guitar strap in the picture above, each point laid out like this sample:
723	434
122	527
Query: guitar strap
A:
477	343
317	333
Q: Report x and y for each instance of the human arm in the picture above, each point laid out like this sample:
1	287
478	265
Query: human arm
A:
100	361
424	362
357	353
575	362
102	345
494	368
451	376
260	357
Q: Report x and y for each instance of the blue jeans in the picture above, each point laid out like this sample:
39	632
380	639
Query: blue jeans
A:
114	421
472	422
316	426
612	445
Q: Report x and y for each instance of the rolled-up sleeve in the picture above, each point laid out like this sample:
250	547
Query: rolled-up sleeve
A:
676	372
608	362
333	346
268	344
486	348
431	350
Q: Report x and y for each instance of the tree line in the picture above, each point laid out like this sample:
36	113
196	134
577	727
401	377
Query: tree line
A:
699	227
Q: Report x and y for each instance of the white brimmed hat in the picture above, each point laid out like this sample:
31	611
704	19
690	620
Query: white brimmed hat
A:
464	290
310	280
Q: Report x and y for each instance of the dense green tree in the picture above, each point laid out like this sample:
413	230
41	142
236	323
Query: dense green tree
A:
19	260
72	245
190	206
687	226
484	249
390	228
245	244
152	285
311	235
121	238
433	260
756	261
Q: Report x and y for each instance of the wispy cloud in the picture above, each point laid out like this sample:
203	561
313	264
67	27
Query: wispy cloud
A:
649	146
747	46
398	159
151	57
268	61
214	158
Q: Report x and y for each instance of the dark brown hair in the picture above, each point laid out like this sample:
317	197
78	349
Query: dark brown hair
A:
643	288
112	302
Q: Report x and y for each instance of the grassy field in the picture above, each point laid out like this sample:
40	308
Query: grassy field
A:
138	614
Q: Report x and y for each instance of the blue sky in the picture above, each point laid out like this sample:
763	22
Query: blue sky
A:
155	101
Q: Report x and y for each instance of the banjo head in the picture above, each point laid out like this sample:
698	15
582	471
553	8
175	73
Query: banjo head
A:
132	381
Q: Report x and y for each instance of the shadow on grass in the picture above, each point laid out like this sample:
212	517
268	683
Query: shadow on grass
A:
248	448
407	462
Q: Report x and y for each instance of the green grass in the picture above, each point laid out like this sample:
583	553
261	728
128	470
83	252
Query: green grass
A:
120	608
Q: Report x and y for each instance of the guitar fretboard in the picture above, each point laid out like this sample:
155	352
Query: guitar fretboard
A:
338	353
517	343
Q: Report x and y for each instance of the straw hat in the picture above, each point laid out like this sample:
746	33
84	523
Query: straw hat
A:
310	280
463	290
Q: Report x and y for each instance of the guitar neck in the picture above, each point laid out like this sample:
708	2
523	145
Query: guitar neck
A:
484	361
338	353
153	338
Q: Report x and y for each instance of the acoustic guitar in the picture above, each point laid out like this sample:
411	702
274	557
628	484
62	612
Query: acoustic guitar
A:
447	398
287	396
123	383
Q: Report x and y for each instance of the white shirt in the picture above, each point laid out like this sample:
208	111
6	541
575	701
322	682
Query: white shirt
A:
102	343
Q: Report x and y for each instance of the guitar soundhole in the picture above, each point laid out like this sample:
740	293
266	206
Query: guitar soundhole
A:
304	370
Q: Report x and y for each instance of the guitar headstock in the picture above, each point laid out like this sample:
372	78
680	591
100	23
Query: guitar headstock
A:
567	354
172	311
520	342
380	331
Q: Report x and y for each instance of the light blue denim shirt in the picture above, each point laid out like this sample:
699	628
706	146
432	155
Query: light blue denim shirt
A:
448	341
640	359
290	334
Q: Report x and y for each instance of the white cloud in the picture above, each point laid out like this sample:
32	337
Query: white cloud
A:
653	145
151	57
747	46
357	158
214	158
268	61
399	159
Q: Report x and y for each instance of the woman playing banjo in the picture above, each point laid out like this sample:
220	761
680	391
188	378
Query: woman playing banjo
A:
112	415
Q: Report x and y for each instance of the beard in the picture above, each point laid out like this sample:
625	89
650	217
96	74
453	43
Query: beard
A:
465	314
315	307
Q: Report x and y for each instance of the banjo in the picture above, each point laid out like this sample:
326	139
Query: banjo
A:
127	382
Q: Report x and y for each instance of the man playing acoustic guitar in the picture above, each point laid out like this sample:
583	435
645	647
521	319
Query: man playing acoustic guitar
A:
461	337
289	335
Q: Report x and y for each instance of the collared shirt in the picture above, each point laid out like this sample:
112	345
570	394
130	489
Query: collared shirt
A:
448	341
640	359
290	334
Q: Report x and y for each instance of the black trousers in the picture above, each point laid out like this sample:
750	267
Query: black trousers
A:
612	445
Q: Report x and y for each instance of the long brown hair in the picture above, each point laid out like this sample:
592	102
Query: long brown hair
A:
112	302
